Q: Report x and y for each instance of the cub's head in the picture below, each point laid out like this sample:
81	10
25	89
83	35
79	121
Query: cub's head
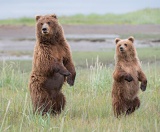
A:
46	25
125	48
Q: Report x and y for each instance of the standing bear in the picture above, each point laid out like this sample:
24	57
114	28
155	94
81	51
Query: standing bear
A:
52	66
126	75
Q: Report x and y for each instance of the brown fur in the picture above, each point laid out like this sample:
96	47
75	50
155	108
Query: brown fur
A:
52	65
127	75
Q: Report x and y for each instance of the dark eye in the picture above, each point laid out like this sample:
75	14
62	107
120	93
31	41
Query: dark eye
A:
119	45
41	23
125	45
48	23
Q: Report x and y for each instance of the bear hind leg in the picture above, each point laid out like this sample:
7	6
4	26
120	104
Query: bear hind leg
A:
59	103
118	109
135	104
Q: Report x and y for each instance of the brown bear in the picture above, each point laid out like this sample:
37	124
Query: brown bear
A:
126	75
52	66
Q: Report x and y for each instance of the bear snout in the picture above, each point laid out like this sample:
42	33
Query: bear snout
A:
121	49
45	29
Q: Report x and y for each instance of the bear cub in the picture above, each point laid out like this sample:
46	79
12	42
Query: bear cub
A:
126	75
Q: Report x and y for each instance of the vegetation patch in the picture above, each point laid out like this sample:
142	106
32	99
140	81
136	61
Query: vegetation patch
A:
88	102
145	16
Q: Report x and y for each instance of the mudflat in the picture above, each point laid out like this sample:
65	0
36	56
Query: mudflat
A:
80	37
9	31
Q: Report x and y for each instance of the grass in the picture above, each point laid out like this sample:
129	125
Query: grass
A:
82	59
145	16
88	102
106	57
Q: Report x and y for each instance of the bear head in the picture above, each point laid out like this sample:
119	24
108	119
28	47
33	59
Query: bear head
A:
46	27
125	48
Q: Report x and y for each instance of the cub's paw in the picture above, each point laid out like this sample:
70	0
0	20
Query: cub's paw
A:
129	78
129	111
143	87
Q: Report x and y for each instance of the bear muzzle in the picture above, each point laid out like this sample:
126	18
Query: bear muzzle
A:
45	29
121	49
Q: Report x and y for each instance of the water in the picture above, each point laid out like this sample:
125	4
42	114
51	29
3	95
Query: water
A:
30	8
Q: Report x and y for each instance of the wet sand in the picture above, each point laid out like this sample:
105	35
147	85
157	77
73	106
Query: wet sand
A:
29	31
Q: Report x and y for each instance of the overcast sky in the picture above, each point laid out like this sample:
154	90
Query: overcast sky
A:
30	8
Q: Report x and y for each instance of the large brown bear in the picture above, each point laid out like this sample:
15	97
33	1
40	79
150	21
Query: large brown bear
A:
126	75
52	66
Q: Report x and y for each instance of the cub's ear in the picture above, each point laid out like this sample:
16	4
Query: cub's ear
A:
117	40
54	16
131	39
38	17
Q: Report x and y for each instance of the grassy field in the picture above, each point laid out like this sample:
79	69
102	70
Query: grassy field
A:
82	59
88	102
146	16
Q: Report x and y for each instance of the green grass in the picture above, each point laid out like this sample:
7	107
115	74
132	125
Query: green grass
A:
107	57
145	16
86	58
88	102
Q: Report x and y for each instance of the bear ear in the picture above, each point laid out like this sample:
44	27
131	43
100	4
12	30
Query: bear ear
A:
38	17
54	16
117	40
131	39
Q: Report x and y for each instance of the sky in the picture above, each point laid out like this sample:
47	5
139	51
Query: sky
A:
30	8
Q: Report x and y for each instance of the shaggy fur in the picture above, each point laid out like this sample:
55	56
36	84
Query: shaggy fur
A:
52	65
127	75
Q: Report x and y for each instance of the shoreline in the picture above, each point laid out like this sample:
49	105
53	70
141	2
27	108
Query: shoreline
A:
20	40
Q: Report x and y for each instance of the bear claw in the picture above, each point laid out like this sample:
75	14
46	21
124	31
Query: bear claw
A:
143	87
70	81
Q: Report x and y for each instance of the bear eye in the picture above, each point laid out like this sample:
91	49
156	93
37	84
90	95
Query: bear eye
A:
48	23
41	23
119	45
125	45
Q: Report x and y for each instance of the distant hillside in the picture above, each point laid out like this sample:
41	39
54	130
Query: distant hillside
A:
145	16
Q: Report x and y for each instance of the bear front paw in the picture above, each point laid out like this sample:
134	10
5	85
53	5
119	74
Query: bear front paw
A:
129	78
65	73
70	80
143	87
